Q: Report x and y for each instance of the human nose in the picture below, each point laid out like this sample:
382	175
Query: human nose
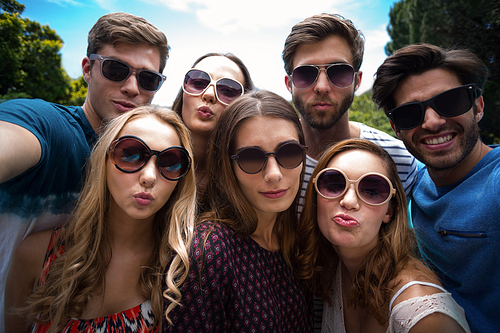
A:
209	94
272	170
350	199
322	84
149	173
131	85
432	120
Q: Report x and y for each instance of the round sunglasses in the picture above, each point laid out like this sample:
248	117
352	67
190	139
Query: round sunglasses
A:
451	103
196	82
118	71
340	75
253	159
372	188
130	154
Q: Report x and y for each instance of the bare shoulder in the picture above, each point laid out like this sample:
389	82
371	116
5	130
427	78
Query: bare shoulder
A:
437	322
30	254
417	289
20	150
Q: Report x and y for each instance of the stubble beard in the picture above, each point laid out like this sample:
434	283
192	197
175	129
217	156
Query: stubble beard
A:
470	136
309	114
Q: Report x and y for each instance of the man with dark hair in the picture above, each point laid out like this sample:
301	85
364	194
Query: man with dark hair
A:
45	145
433	98
322	56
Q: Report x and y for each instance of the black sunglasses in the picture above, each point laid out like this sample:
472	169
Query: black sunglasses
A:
118	71
253	159
226	89
450	103
340	75
130	154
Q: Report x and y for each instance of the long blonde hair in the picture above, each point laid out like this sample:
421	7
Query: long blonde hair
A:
80	270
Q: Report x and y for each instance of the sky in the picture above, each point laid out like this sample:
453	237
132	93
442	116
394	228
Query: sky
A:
253	30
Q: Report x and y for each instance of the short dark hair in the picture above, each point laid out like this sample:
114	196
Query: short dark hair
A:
418	58
317	28
117	28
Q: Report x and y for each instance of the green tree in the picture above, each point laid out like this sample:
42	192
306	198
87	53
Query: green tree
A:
470	24
78	91
31	63
365	111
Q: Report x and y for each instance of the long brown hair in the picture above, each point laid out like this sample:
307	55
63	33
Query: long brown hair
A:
80	270
226	202
373	282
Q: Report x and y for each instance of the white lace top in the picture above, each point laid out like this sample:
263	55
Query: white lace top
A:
403	316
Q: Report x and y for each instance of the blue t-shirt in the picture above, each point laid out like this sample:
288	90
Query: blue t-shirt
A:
458	233
43	196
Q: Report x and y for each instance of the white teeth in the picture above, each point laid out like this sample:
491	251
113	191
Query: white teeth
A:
439	140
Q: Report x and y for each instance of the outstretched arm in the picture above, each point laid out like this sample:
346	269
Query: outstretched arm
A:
20	150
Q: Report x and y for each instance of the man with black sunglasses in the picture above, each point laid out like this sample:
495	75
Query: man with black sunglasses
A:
433	98
45	146
322	56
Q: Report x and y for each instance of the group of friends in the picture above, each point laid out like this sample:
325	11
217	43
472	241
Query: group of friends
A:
236	211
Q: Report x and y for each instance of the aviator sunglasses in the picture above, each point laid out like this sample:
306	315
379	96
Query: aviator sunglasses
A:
196	82
118	71
372	188
340	75
253	159
130	154
450	103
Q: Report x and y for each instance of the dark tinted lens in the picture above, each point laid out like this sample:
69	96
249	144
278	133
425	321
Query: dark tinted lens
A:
115	70
251	160
304	76
374	189
174	163
341	75
149	81
407	116
453	102
130	155
331	184
196	81
290	155
228	90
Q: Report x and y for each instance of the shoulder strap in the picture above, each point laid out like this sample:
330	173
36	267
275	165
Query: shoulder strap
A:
409	284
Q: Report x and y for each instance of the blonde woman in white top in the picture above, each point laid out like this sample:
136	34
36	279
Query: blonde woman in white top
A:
356	249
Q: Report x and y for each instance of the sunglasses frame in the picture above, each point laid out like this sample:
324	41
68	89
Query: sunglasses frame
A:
152	152
356	185
236	156
212	82
131	70
470	88
326	68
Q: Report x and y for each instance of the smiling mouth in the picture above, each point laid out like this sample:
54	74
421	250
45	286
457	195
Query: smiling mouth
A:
437	141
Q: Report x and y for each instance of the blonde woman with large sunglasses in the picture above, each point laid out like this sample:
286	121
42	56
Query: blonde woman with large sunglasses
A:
103	271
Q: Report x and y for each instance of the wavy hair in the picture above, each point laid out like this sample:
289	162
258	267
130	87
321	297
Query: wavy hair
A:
224	198
394	252
117	28
80	270
247	85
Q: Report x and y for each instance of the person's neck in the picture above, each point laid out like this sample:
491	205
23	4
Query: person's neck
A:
94	120
319	139
265	235
128	236
452	175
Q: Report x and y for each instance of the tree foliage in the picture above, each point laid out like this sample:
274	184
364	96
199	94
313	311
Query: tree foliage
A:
365	111
470	24
31	62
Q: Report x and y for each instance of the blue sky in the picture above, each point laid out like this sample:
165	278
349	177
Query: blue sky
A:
254	30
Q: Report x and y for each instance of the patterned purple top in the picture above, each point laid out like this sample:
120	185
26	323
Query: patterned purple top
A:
234	285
